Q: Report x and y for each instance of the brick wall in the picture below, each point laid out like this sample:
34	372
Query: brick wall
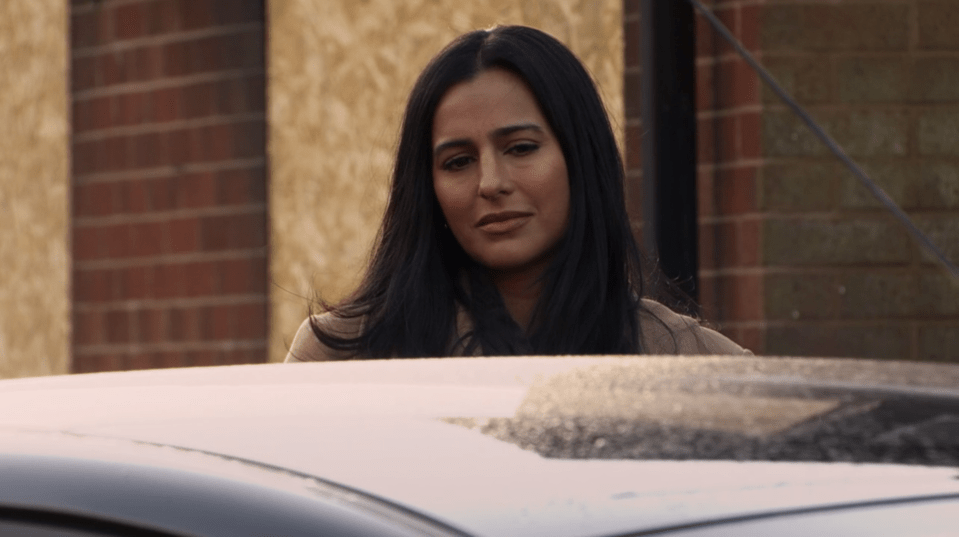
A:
169	183
843	278
796	256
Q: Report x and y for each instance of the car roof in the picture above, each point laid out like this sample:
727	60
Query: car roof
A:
405	431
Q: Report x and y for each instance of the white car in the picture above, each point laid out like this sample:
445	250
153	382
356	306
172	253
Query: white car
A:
575	446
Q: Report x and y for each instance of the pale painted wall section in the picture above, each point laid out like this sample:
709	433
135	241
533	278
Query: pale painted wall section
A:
34	180
339	75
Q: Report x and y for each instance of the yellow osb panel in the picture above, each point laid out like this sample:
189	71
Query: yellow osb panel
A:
34	307
339	75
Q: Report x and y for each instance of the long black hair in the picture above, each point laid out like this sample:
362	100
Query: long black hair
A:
419	278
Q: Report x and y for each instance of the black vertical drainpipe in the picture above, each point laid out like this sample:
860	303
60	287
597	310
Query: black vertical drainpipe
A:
668	86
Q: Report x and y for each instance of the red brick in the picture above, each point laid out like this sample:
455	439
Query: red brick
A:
742	296
184	235
240	50
117	154
88	328
232	231
151	325
196	13
132	108
222	325
243	356
83	157
129	21
737	84
174	59
178	147
181	325
251	321
749	18
750	133
241	186
199	100
137	282
632	98
233	12
95	199
243	95
634	144
218	142
110	69
81	116
752	338
737	244
632	36
163	16
705	91
93	363
706	139
149	62
705	38
737	190
87	243
168	281
91	285
707	247
749	243
729	16
135	196
708	297
204	358
726	146
727	244
705	193
248	139
95	113
200	279
243	276
166	104
163	194
146	239
197	190
83	73
83	30
118	326
140	361
116	239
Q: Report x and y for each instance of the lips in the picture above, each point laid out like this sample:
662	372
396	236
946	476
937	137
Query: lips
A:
503	222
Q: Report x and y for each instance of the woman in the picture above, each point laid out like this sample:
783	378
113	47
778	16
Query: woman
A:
506	229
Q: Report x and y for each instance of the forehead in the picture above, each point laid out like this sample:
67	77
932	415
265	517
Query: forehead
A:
495	98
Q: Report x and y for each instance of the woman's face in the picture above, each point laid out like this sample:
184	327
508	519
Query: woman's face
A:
499	173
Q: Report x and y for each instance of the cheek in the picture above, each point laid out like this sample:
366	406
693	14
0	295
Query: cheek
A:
452	202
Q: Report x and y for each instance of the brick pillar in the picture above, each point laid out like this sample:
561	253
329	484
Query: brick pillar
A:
728	130
633	104
169	183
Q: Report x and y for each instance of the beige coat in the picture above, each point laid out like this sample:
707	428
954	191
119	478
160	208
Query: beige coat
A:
684	336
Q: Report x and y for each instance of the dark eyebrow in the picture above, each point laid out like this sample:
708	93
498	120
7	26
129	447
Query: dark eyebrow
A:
510	129
498	133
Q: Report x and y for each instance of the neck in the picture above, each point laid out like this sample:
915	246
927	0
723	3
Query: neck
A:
520	292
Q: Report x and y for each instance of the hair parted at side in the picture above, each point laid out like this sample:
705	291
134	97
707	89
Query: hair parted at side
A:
419	276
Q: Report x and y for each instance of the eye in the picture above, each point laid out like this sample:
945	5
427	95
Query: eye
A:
522	148
457	163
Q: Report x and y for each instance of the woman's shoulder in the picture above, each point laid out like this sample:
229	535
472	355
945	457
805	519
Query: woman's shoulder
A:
667	332
306	347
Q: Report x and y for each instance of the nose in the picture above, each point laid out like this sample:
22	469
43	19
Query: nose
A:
494	179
